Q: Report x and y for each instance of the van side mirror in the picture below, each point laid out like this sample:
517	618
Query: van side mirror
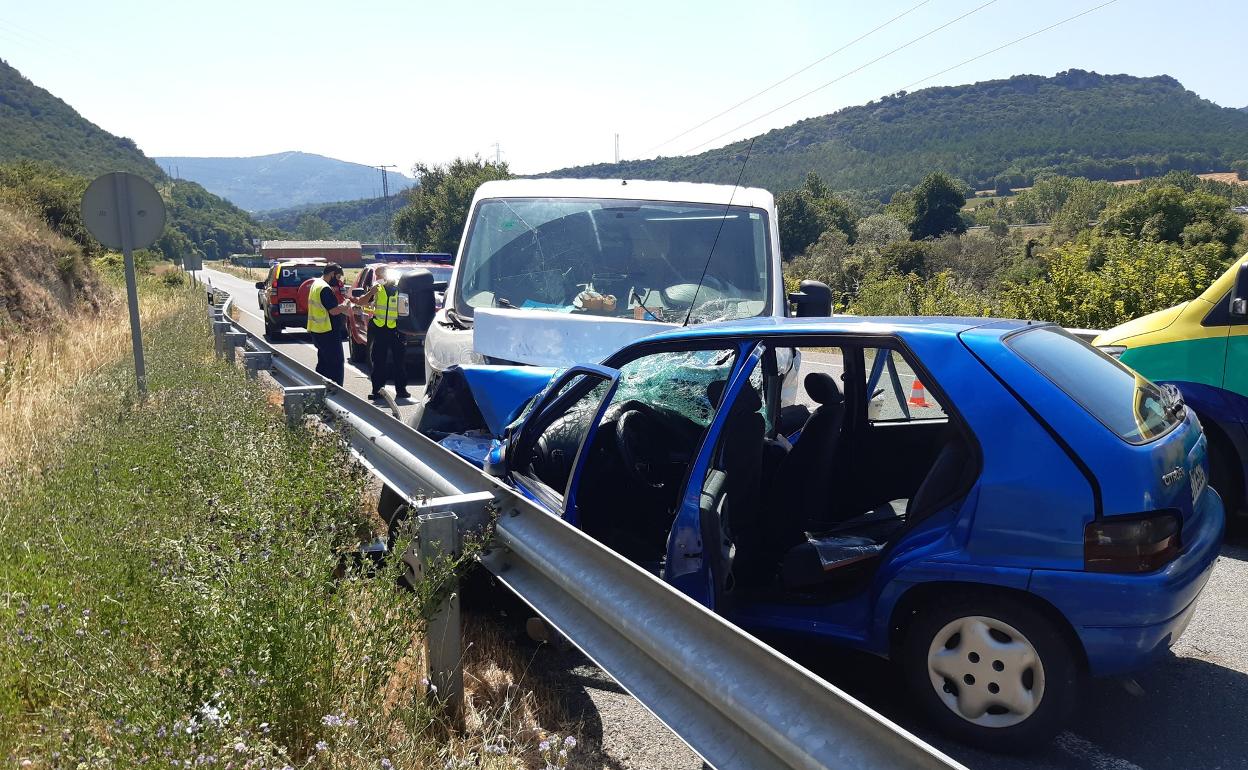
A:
260	285
1239	296
813	299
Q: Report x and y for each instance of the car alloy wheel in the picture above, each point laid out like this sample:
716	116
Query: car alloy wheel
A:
986	671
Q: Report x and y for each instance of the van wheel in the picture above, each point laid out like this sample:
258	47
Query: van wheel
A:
1224	478
990	672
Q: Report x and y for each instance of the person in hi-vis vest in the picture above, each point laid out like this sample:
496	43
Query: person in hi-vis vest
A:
386	344
326	323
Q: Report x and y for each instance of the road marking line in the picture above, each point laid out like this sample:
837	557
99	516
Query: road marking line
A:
1081	748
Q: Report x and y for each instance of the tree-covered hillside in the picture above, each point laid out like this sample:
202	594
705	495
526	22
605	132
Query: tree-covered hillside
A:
284	179
35	125
1075	123
45	145
360	220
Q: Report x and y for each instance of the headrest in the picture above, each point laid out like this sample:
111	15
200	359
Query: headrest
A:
822	388
748	399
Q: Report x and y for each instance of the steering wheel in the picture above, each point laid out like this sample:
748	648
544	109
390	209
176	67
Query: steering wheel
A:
639	440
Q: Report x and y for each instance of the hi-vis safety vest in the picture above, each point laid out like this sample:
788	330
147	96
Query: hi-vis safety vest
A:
386	307
318	316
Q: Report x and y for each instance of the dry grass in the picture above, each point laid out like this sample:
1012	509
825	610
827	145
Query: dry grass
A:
41	375
246	273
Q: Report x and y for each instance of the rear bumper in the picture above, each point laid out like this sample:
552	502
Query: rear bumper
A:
288	319
1126	622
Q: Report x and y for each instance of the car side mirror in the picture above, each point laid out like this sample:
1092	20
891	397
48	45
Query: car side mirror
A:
813	299
1239	296
496	459
357	292
260	285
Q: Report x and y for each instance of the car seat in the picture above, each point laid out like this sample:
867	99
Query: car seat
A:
803	487
822	555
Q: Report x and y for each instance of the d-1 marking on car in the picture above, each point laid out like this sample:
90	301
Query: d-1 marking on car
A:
1010	531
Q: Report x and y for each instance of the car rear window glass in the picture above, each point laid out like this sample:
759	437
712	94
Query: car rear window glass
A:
294	276
1129	405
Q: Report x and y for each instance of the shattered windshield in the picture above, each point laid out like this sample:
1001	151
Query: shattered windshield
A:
679	382
619	258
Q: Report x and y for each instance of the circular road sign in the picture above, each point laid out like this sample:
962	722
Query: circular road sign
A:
123	211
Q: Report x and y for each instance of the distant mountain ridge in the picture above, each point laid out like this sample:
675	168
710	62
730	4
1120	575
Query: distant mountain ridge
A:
283	180
35	125
1076	122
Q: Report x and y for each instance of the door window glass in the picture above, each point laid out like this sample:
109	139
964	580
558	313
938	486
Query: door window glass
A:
894	392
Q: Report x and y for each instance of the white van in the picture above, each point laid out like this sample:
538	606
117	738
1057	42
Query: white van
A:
556	271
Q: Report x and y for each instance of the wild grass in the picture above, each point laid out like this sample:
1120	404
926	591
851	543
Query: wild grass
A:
171	591
47	380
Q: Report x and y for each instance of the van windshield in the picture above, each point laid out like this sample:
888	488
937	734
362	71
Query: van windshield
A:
1126	403
621	258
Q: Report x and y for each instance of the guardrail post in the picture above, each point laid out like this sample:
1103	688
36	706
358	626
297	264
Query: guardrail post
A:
255	360
438	536
234	340
297	399
219	330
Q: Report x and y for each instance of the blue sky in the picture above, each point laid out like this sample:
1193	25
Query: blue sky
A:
552	82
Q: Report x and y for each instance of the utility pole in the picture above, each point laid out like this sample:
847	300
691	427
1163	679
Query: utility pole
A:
385	194
617	148
498	153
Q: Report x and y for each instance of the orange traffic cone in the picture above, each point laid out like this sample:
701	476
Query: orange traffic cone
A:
918	395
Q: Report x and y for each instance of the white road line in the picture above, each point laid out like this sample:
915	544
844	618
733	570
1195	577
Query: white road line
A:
1095	756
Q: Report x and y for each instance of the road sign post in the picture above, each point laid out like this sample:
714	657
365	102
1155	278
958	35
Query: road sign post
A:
124	211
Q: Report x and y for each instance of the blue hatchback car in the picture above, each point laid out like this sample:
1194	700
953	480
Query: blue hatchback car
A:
997	506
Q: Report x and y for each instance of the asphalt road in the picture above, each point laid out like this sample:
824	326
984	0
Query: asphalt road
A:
1190	711
298	344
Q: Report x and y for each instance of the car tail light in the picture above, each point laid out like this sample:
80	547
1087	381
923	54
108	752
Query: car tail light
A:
1132	543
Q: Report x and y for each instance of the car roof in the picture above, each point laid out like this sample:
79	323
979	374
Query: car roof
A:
302	263
846	324
628	189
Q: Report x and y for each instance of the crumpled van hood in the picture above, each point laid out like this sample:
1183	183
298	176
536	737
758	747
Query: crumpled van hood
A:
548	338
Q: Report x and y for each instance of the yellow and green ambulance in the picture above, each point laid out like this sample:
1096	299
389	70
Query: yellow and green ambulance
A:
1201	346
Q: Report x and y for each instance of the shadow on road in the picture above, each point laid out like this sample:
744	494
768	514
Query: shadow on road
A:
1191	715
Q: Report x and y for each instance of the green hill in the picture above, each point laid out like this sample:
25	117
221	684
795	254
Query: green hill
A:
1076	123
37	126
360	220
284	179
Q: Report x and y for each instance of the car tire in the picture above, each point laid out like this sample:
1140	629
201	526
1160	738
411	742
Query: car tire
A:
990	671
271	330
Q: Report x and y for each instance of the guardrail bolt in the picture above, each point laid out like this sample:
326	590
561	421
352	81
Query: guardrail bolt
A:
437	538
256	360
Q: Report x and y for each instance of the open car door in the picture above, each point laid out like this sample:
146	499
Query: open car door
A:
699	550
544	457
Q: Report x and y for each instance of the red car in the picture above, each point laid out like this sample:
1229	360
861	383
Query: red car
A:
413	317
281	302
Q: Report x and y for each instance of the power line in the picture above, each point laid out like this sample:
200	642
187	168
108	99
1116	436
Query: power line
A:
835	80
1007	45
789	77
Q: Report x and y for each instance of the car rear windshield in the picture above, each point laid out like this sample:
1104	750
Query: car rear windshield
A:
1129	405
294	276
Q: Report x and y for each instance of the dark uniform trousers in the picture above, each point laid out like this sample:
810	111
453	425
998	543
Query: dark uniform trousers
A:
389	358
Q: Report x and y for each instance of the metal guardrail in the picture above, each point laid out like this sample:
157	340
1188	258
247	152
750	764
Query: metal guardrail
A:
735	701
